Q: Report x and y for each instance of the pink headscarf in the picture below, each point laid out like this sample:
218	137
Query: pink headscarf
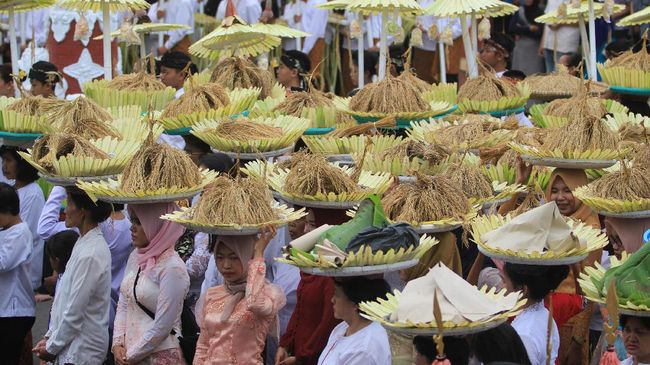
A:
161	234
243	247
630	231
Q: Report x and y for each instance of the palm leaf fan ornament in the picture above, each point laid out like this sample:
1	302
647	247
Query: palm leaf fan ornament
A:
610	327
235	37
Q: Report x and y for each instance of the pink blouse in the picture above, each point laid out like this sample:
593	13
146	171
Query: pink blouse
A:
241	339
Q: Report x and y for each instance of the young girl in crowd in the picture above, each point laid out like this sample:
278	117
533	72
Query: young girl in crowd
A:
237	316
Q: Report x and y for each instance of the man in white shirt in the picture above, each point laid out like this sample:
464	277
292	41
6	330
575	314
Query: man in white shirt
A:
249	10
426	57
558	40
314	22
292	12
175	12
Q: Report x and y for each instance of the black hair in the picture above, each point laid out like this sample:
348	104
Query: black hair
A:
60	247
615	48
45	72
456	349
5	73
99	211
296	60
363	289
515	74
179	61
574	59
636	104
218	161
624	318
370	61
118	207
503	40
9	200
540	280
196	142
24	171
500	344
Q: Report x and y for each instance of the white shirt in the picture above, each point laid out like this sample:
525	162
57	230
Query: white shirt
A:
368	346
175	141
314	22
630	361
162	290
16	291
568	37
178	12
31	204
249	10
37	24
291	10
531	325
78	331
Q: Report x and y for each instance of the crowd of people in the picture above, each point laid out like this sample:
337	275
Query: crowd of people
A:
122	292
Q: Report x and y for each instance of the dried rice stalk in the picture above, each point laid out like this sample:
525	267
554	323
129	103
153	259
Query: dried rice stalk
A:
430	198
237	72
532	201
296	102
433	153
293	160
312	174
244	130
420	85
364	129
487	87
391	95
90	129
491	155
634	133
27	104
626	184
556	82
236	201
197	99
455	135
136	81
642	156
586	132
509	158
488	122
158	166
471	180
630	60
54	146
566	108
82	108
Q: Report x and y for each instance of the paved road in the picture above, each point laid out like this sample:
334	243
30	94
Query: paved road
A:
40	327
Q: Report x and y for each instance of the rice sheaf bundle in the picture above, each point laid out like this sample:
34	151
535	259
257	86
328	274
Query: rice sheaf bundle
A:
626	184
455	135
244	130
585	133
54	146
90	129
237	72
432	153
470	180
81	108
312	174
140	81
408	76
430	198
641	156
28	104
487	87
566	108
197	99
236	201
391	95
159	166
631	60
294	104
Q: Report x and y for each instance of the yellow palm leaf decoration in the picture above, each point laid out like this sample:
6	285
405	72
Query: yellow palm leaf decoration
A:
638	18
457	8
235	37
